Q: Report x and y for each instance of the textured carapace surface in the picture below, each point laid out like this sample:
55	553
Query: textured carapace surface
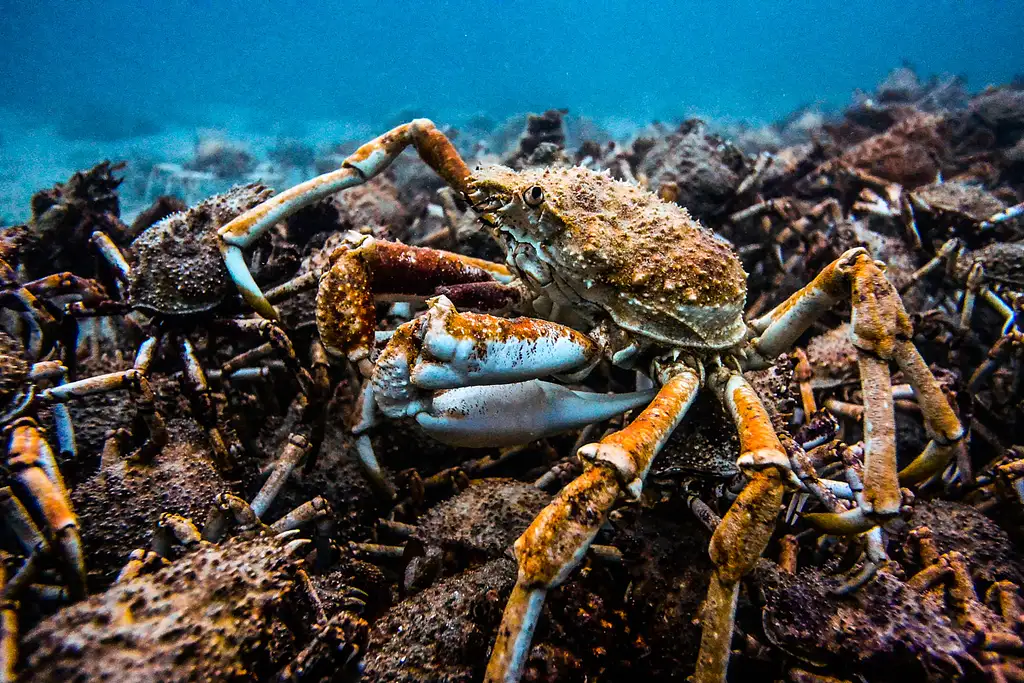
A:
222	613
587	242
13	366
179	268
956	200
485	518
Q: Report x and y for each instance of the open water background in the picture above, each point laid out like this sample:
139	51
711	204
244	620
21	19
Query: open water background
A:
79	78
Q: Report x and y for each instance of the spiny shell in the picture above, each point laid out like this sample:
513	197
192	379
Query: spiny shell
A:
179	268
648	263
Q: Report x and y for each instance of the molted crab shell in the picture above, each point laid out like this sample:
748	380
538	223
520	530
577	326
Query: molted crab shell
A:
584	241
179	268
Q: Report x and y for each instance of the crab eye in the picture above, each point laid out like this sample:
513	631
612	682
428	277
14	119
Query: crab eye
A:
534	196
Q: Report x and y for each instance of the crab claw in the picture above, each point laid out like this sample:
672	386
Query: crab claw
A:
510	414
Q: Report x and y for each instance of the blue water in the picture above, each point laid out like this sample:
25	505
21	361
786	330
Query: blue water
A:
372	61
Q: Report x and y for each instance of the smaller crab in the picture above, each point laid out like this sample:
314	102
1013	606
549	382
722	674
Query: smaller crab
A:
931	625
182	586
180	279
477	525
949	207
220	612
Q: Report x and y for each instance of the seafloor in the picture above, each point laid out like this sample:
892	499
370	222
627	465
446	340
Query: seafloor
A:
404	577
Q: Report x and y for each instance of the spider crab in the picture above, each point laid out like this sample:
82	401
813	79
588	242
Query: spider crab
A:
652	289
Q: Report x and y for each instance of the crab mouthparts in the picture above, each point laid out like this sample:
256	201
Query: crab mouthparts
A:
486	201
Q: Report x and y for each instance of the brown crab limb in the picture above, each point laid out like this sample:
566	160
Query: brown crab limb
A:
803	373
741	537
945	252
279	339
874	556
20	522
366	162
997	355
141	561
35	470
134	380
61	284
229	510
173	531
299	283
974	284
365	269
975	287
113	256
39	321
556	541
198	389
308	512
881	498
295	449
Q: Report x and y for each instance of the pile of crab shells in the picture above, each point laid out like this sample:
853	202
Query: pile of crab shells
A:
330	580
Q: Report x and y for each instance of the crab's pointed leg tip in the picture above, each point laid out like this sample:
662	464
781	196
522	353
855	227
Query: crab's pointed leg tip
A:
240	275
515	634
69	546
842	523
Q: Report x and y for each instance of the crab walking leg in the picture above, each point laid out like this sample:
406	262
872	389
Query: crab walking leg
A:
744	532
945	252
113	256
881	496
60	284
944	430
36	318
206	413
8	626
293	452
134	380
34	469
556	541
881	331
366	162
65	428
997	355
364	268
279	339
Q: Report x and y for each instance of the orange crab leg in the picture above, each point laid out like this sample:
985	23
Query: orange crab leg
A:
365	163
744	532
556	541
8	627
34	468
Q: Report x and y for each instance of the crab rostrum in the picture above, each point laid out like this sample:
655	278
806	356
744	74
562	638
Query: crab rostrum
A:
616	274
